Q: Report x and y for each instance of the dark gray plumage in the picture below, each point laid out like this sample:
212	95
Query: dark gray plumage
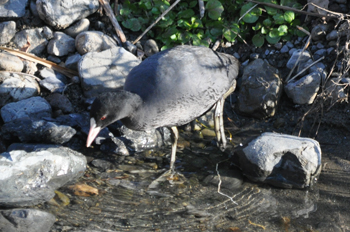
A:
170	88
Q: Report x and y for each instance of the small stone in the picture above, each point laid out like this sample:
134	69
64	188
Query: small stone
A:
93	41
13	8
78	27
150	47
61	44
7	31
60	102
72	61
333	35
10	62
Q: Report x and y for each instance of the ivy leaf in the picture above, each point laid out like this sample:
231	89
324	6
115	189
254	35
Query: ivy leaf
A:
133	24
289	16
253	15
258	40
214	9
271	10
188	13
283	30
267	22
279	19
257	26
231	33
273	36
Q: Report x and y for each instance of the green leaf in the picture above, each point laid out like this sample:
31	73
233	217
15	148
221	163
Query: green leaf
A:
169	32
289	16
231	32
214	9
188	13
193	3
258	40
257	26
133	24
215	32
264	30
283	30
267	22
271	10
165	22
253	15
184	37
300	33
155	11
278	19
273	36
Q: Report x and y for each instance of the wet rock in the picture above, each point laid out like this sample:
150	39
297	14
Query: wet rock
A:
72	61
116	146
53	80
142	140
319	31
10	62
150	47
130	47
333	35
60	102
37	38
260	92
78	27
15	87
26	220
61	14
34	107
304	90
13	8
93	41
281	160
31	172
7	31
230	179
61	44
319	53
103	165
105	71
28	130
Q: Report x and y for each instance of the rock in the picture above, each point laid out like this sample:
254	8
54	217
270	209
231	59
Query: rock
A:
304	57
333	35
29	67
34	107
61	14
103	165
281	160
37	39
13	8
61	44
10	62
78	27
319	53
284	49
7	31
150	47
304	90
260	91
105	71
16	86
38	170
60	102
53	80
93	41
116	146
319	31
335	91
28	130
26	220
230	179
320	68
54	59
72	61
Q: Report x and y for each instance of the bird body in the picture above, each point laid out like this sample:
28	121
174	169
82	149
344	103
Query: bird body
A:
170	88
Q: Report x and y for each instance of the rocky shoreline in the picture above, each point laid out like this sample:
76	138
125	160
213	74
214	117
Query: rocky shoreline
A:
45	121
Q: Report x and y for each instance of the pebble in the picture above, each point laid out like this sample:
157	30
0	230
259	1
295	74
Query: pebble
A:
61	44
78	27
16	86
333	35
10	62
72	61
34	107
60	102
150	47
53	80
61	14
93	41
7	31
105	71
13	8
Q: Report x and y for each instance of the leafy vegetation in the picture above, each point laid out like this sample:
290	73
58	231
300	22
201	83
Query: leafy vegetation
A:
183	24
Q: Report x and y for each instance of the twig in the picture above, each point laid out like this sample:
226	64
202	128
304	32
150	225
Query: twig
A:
201	8
313	63
306	45
157	20
336	15
247	12
109	13
65	71
219	185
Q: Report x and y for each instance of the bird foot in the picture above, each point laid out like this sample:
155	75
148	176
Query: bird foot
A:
171	176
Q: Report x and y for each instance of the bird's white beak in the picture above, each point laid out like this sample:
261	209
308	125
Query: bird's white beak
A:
93	132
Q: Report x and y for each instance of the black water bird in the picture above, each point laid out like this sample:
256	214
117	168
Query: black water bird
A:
169	89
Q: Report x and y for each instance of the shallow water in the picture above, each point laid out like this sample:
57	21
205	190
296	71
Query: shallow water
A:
125	203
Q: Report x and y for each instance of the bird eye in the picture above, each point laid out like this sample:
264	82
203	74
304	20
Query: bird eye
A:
103	118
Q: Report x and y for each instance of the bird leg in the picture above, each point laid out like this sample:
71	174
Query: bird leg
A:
175	135
219	120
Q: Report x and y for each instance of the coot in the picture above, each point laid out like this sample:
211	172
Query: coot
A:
170	88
